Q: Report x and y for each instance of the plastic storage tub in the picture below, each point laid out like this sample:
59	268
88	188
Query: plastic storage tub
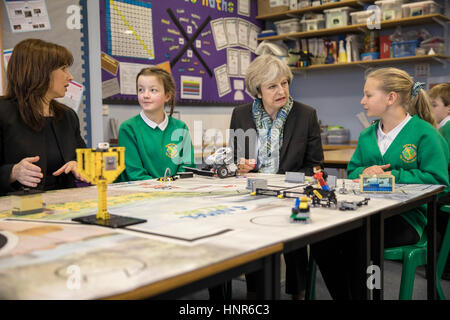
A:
404	48
313	24
303	3
369	56
337	17
360	17
420	8
390	9
288	26
338	136
436	43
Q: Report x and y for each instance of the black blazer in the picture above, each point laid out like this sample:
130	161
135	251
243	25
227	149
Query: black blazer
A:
302	145
19	141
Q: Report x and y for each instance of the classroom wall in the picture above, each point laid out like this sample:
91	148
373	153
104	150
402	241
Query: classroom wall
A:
200	120
334	93
336	96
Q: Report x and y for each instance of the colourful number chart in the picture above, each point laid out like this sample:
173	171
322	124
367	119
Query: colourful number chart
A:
206	44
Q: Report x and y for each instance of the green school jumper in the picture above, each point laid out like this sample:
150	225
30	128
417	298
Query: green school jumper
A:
417	155
149	152
445	131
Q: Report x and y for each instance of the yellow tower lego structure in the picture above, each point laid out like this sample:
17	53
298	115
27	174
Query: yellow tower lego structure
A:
101	166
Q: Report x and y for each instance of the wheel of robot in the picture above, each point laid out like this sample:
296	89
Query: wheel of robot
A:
222	172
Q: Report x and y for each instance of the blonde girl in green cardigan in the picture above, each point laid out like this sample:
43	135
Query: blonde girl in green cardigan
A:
404	143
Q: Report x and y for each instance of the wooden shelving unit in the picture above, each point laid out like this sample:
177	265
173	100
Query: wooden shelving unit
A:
293	13
359	28
431	18
366	64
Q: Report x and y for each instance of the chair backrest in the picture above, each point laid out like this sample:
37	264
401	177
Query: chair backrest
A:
423	240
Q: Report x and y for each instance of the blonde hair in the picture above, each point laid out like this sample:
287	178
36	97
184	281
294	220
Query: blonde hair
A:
167	81
263	69
400	82
442	91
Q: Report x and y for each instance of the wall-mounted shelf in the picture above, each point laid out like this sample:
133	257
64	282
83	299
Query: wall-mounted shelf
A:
366	64
431	18
293	13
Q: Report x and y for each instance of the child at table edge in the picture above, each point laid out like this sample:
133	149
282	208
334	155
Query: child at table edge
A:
404	143
153	140
413	155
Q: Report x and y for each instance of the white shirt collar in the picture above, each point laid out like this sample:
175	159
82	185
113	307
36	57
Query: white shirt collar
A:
385	139
162	126
443	122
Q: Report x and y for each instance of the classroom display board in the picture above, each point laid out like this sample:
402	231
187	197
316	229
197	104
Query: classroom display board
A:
206	44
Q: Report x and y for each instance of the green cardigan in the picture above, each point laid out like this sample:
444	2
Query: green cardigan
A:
418	155
149	152
445	131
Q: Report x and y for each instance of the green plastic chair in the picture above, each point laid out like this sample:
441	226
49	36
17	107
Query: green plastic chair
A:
414	256
310	293
443	255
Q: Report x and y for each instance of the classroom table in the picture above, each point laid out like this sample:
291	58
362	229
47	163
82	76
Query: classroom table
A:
338	158
199	232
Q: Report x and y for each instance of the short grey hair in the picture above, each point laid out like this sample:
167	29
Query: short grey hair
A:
263	69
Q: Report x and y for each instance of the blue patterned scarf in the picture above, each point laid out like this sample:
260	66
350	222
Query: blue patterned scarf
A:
270	134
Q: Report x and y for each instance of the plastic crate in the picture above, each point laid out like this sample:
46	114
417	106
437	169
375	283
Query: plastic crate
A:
369	56
303	4
390	9
436	43
312	25
360	17
288	26
420	8
404	48
338	17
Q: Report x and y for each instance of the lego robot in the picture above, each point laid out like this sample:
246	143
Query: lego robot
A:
222	163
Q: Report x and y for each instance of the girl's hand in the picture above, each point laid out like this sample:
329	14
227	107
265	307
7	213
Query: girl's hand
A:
26	172
373	170
246	165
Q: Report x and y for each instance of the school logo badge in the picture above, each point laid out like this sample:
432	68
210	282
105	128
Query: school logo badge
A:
171	150
409	153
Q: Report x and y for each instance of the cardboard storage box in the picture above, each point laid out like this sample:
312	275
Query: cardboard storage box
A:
266	7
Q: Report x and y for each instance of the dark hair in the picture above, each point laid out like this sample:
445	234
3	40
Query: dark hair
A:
167	81
28	78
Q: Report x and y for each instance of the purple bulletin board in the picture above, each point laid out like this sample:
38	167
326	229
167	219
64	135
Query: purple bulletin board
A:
207	43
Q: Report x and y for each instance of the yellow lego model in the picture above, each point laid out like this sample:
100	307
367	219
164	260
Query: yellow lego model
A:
101	166
27	202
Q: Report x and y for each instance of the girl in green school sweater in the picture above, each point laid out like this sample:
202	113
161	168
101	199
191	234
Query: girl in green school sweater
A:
404	143
440	99
153	140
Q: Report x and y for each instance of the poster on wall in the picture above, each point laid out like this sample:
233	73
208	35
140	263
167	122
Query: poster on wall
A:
206	45
26	16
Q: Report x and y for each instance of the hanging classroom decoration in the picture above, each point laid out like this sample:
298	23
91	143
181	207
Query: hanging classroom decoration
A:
207	45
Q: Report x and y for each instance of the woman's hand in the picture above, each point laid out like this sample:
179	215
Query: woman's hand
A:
373	170
70	166
26	172
246	165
